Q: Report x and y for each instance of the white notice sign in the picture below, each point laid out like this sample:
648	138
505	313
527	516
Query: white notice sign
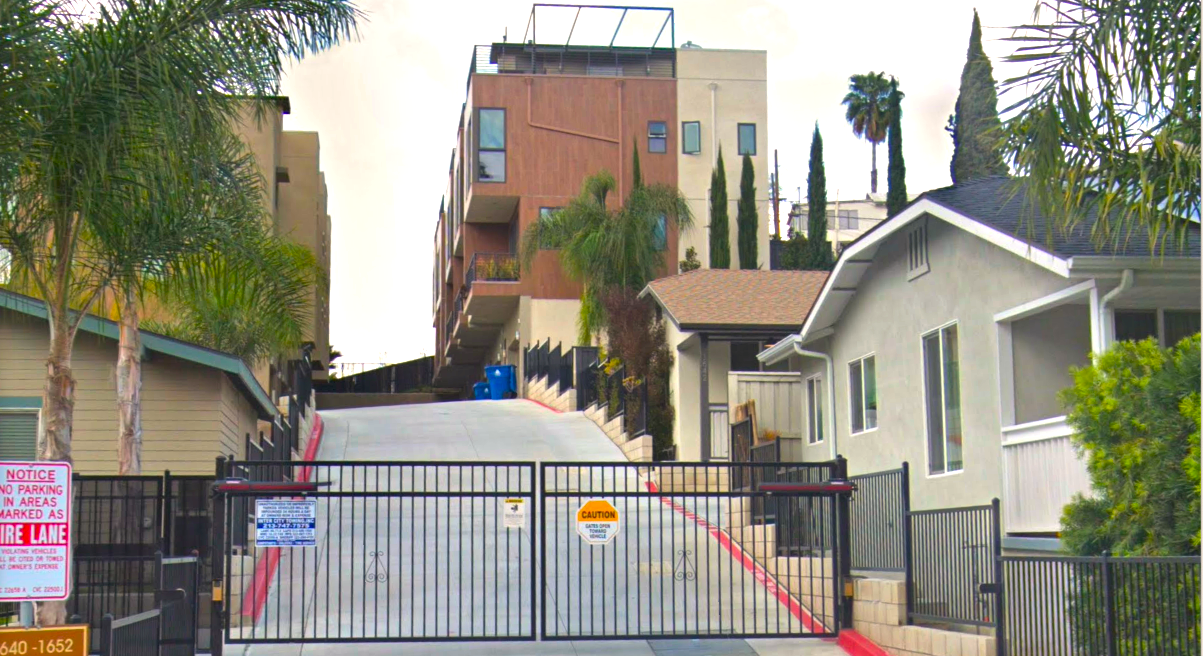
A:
513	513
286	522
35	531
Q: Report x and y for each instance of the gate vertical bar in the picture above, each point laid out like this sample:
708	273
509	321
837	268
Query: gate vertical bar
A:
908	556
1109	605
844	544
536	497
217	558
167	524
1000	602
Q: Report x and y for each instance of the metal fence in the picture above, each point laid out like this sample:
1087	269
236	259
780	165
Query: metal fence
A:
1071	606
181	617
378	378
879	508
136	635
953	552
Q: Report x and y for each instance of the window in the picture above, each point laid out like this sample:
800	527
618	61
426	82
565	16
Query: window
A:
691	137
657	137
747	139
491	145
814	409
862	393
942	391
1179	324
743	356
545	213
18	435
660	232
847	220
916	247
1167	326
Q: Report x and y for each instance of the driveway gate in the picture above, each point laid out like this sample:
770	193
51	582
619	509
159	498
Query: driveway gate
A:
448	551
688	559
405	551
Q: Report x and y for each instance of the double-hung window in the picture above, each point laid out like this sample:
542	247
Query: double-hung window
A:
657	137
691	137
862	394
490	157
942	397
814	409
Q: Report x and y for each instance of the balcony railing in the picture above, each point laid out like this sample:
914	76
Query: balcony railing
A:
533	59
1041	473
456	308
492	267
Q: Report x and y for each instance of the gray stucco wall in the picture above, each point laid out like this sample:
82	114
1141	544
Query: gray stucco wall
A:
1045	346
970	280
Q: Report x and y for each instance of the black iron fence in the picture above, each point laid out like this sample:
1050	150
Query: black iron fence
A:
166	622
879	508
417	374
585	368
953	552
1068	606
136	635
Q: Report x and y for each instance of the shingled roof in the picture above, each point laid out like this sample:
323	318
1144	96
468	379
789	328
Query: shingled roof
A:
999	202
712	298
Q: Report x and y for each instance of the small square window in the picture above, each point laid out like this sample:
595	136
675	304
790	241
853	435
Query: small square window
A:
657	137
492	166
691	137
747	139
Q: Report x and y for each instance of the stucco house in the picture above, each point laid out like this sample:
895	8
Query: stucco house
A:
197	403
717	320
943	336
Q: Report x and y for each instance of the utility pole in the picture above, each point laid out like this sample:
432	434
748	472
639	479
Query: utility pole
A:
776	197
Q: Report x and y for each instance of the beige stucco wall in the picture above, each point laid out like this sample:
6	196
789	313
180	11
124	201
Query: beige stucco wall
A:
1045	346
302	217
685	383
188	417
740	96
970	280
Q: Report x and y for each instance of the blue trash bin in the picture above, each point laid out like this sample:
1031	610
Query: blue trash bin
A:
480	391
501	381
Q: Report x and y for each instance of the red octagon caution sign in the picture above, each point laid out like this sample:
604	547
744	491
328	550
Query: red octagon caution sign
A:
597	521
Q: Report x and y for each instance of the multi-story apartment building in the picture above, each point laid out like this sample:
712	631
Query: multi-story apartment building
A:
846	220
537	120
295	187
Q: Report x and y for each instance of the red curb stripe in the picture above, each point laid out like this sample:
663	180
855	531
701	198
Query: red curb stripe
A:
758	573
858	645
545	406
265	569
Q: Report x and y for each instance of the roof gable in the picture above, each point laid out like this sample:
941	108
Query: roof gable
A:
750	298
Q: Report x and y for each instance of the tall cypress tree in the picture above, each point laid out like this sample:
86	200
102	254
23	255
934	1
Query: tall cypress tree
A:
720	233
746	217
818	256
636	171
896	196
975	126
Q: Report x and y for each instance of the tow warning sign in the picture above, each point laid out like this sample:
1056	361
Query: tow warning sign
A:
597	521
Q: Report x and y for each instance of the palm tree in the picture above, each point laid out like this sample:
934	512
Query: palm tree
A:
1106	116
609	249
867	100
81	101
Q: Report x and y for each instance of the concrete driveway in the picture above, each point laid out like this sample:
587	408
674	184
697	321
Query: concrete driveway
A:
470	431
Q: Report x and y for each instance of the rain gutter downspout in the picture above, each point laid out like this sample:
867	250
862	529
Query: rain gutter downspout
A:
797	344
1126	280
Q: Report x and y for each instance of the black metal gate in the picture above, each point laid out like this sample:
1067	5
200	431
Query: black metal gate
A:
689	558
405	551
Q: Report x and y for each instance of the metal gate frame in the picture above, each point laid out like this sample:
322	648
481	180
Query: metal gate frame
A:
459	500
675	485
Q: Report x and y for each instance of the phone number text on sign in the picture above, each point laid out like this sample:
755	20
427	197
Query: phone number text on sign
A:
35	530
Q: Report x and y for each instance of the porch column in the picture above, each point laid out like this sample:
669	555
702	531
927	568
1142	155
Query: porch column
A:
704	396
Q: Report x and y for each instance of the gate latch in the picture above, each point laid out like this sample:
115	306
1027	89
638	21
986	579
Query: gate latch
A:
988	588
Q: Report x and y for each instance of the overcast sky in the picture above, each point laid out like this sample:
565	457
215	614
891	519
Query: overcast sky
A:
387	106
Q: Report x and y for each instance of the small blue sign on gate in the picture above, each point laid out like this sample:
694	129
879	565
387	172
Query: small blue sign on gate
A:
286	522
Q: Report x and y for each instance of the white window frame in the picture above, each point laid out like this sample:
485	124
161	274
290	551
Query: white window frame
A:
943	406
863	405
814	410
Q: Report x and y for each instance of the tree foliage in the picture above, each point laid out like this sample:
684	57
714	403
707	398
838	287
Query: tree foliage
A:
1135	413
635	337
975	127
866	109
896	197
794	252
1107	116
818	252
720	232
690	263
608	249
746	217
